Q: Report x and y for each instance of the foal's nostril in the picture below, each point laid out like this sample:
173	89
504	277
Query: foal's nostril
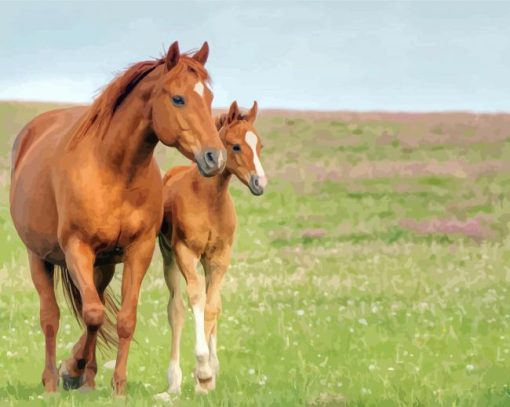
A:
256	182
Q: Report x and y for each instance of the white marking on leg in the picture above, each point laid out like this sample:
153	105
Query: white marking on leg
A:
174	377
201	347
199	88
252	139
213	355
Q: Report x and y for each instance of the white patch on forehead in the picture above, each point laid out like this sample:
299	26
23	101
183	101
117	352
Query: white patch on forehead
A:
199	88
251	140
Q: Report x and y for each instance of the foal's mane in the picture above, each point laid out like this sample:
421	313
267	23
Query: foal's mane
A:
221	120
99	115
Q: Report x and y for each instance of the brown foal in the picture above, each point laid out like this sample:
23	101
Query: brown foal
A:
199	224
86	193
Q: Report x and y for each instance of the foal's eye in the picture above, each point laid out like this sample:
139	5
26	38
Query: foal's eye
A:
178	101
236	148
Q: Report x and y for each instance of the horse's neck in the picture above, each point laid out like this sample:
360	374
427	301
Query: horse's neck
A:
128	146
215	188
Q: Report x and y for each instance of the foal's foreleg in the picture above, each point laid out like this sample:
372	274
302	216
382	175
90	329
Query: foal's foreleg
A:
42	276
175	318
187	261
136	262
215	270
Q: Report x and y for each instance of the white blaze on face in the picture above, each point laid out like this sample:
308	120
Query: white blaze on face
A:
252	140
199	88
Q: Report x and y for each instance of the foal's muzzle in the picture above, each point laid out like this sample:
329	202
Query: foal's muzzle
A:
211	161
257	184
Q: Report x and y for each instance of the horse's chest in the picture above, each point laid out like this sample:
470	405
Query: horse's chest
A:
117	219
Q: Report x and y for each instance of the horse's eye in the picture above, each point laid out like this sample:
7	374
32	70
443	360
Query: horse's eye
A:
178	101
236	148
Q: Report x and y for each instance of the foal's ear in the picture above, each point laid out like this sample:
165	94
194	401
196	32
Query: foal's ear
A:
233	112
202	54
172	56
252	114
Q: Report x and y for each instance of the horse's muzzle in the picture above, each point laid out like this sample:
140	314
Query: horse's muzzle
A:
257	184
211	161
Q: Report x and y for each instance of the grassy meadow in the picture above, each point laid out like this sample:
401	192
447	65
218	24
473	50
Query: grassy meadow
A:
375	271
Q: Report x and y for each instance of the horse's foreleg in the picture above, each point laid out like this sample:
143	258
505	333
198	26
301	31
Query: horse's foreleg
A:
42	276
102	277
136	262
187	261
175	319
80	261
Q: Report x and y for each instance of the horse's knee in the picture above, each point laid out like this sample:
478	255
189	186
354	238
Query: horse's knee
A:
125	326
49	320
212	312
93	315
196	292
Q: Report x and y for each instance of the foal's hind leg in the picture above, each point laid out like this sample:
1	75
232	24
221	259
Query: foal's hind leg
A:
175	318
42	276
73	367
187	261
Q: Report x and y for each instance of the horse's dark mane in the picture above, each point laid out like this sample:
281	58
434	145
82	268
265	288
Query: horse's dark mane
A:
102	110
221	120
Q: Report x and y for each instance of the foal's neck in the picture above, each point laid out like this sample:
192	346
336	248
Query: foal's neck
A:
215	187
128	146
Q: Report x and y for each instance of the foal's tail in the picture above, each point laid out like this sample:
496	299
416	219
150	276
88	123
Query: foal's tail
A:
107	334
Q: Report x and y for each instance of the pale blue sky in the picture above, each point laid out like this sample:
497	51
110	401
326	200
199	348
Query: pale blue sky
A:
407	56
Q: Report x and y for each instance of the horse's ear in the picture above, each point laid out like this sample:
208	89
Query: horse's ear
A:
202	54
172	56
252	114
233	112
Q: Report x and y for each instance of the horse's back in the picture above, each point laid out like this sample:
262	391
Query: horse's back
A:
172	172
53	122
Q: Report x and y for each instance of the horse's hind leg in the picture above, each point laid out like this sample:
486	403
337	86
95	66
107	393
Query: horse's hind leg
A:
72	367
175	318
42	276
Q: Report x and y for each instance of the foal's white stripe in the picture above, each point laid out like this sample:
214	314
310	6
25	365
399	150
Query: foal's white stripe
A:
201	344
251	139
199	88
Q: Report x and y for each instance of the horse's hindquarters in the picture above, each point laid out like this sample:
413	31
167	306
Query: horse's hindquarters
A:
32	201
34	214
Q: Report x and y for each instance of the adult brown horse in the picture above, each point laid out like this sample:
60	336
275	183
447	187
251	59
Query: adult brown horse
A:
86	193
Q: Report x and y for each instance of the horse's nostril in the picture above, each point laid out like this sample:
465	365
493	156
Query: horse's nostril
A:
209	156
256	182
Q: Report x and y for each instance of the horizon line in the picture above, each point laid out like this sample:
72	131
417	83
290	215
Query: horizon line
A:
295	110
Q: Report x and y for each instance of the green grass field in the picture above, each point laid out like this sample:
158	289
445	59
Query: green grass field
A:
374	271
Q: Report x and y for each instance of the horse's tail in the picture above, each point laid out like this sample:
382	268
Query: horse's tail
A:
164	246
107	334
